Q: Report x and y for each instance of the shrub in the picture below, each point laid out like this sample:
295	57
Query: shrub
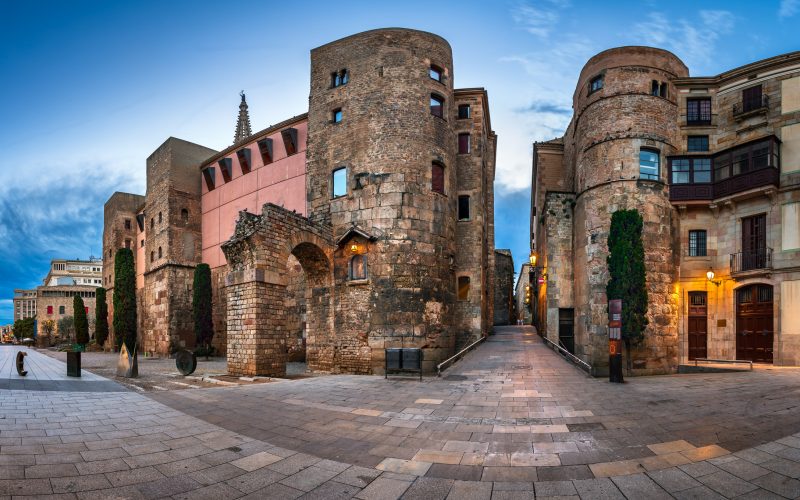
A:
124	321
81	322
101	317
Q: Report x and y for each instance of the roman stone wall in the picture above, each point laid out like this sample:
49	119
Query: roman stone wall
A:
387	140
557	260
610	128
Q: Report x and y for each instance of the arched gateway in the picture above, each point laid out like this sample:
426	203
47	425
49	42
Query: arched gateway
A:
256	288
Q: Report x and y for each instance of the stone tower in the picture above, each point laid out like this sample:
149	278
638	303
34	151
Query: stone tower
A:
624	106
395	147
172	245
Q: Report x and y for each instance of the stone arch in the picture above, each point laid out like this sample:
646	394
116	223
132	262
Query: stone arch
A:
257	255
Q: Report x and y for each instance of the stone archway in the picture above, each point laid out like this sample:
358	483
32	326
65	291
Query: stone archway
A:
257	255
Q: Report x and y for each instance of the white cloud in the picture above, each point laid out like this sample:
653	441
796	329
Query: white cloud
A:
693	41
789	8
541	18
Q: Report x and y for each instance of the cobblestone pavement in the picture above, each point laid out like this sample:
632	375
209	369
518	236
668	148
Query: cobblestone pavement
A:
512	420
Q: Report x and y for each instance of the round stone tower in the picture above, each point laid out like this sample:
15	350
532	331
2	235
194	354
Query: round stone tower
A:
381	107
625	125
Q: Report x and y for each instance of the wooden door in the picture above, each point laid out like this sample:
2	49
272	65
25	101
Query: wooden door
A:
698	325
754	242
754	330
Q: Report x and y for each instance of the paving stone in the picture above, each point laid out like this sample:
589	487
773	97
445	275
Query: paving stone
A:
470	490
554	488
564	473
760	494
168	486
459	472
357	476
255	480
726	484
512	486
698	493
384	489
411	467
673	479
293	464
513	495
640	486
780	484
783	466
216	474
597	489
79	483
429	488
439	457
509	474
274	492
54	470
671	447
308	479
332	490
181	467
18	487
133	476
220	491
699	469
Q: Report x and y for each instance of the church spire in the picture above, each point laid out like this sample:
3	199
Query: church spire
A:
243	129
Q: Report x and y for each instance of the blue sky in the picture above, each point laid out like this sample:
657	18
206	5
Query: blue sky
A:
91	88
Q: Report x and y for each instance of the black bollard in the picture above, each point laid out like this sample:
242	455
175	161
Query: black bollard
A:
21	363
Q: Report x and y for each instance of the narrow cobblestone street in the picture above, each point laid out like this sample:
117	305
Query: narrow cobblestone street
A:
511	420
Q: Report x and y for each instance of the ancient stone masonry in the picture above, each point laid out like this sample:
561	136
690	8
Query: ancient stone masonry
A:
504	307
647	136
365	224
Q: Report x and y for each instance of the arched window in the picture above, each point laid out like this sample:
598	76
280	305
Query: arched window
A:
437	105
648	164
437	177
358	267
184	215
159	252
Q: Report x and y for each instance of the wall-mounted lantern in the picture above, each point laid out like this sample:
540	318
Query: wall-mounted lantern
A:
710	276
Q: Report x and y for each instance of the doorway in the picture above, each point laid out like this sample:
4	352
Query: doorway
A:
754	330
698	325
566	329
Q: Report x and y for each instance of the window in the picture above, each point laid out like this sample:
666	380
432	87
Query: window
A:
226	167
159	218
61	310
339	78
697	243
463	288
184	215
152	223
339	180
680	171
289	137
701	170
751	98
463	111
209	175
141	243
127	224
463	144
648	164
265	148
49	309
159	253
336	115
698	111
437	177
654	88
358	267
435	72
596	84
697	143
463	207
658	89
152	256
437	105
690	170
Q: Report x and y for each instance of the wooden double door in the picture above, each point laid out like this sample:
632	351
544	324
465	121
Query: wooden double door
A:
754	323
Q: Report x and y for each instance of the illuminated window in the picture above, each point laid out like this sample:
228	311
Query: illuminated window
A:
463	288
358	267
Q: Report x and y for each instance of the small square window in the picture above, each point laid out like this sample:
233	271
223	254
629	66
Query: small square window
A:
697	243
596	84
463	111
697	143
339	179
463	144
463	207
337	115
435	72
437	106
463	288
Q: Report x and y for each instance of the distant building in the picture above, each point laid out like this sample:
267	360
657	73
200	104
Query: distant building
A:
521	297
504	306
24	304
75	272
713	166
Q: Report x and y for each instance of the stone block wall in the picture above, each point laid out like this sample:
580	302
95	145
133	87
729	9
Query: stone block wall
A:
504	308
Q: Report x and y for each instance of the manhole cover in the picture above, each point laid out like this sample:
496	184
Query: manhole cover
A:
522	367
456	377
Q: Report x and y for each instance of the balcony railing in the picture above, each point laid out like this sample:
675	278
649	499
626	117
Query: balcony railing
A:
751	261
755	103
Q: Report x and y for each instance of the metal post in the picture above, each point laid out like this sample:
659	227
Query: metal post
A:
615	341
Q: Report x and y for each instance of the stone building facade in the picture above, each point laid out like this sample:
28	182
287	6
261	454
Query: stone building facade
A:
364	224
709	163
524	302
504	306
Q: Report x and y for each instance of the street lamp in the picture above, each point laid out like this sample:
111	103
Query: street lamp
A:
710	276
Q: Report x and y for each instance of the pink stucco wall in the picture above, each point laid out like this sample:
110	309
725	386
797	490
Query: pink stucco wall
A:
282	182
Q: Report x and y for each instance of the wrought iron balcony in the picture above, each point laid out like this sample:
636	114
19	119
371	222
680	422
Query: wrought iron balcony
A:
753	105
751	261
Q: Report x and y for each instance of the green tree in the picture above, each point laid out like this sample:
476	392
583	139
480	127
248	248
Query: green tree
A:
124	299
201	307
81	322
66	328
627	275
23	328
101	317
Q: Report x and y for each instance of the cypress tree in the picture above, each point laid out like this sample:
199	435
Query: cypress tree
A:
101	317
627	275
81	322
124	299
201	307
